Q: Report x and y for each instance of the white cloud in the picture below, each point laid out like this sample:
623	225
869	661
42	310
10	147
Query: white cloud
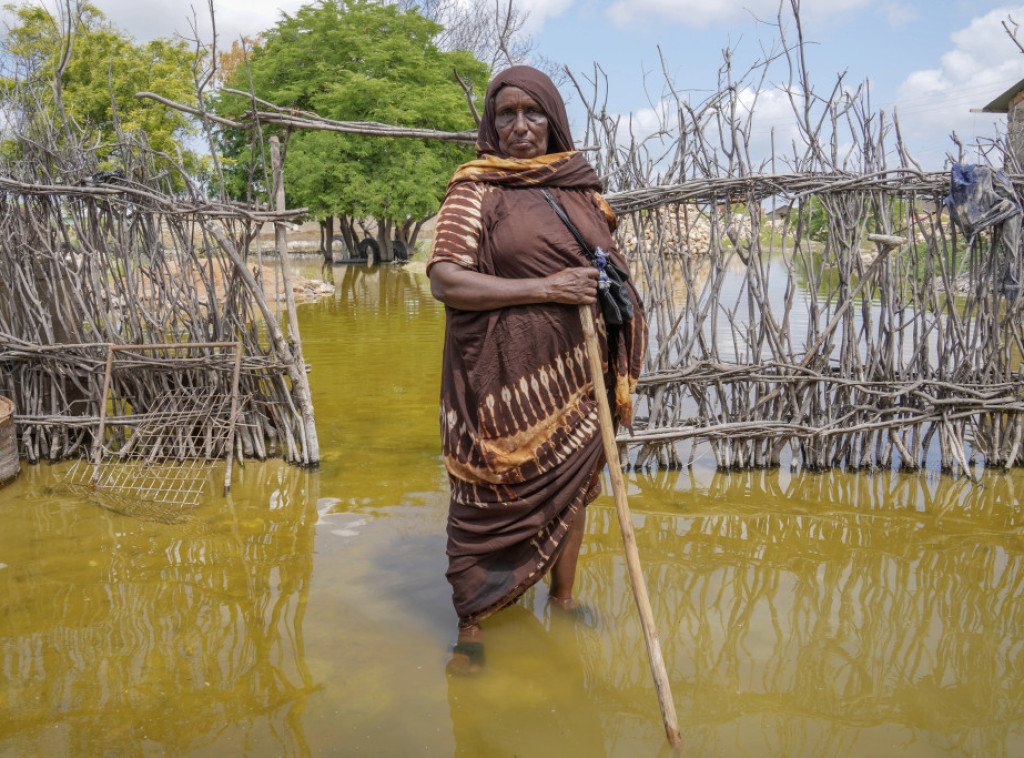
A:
899	15
772	129
647	121
983	63
540	11
702	13
164	18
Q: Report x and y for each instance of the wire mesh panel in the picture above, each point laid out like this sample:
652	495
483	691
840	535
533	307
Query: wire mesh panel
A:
157	449
164	490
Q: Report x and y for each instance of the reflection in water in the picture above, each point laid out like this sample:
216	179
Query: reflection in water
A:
375	288
868	609
813	615
169	636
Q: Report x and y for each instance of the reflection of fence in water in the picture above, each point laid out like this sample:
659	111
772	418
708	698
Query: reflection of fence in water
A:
202	621
857	603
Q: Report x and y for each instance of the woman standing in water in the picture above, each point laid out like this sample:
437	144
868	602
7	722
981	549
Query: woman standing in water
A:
519	424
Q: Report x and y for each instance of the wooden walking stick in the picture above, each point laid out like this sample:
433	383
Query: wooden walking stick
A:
636	579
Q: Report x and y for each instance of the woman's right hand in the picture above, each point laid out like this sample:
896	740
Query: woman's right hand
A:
573	286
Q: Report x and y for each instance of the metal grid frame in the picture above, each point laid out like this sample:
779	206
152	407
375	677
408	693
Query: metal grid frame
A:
144	468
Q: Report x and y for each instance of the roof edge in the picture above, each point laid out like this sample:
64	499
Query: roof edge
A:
1002	103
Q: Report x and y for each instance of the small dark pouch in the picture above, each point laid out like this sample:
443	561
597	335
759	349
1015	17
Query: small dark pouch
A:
616	305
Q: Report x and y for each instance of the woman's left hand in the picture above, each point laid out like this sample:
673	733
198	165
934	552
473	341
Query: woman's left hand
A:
468	290
573	286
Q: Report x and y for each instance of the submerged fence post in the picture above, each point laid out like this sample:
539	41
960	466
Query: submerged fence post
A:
311	445
97	444
236	374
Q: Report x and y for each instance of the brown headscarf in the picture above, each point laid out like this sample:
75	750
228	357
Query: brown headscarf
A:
562	166
537	85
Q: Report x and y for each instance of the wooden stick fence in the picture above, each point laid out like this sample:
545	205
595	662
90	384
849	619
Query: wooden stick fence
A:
851	329
195	416
84	268
821	348
785	324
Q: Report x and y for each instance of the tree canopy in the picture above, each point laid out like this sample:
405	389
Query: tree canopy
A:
103	64
358	60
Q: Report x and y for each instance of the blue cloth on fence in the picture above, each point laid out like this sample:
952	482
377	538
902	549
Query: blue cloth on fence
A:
980	197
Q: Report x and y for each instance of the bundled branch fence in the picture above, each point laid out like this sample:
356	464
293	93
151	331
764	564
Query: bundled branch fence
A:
812	305
83	268
819	310
779	340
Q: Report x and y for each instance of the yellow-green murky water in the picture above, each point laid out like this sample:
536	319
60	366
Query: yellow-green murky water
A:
800	615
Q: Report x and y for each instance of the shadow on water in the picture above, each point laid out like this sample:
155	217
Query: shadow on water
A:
800	615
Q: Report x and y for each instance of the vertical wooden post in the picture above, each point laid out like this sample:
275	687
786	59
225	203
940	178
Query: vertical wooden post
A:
97	444
232	422
311	445
281	242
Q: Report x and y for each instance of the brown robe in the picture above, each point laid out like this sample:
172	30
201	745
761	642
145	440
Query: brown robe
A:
519	425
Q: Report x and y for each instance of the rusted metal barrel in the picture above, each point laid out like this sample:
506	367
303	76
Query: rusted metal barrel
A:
10	466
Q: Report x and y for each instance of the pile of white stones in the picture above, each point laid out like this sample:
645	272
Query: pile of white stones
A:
682	230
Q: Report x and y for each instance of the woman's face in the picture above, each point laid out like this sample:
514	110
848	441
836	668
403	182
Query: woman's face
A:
521	124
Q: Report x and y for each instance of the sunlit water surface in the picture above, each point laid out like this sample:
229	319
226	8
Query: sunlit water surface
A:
308	614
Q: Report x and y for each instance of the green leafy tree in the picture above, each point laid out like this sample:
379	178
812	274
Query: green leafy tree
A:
357	60
103	69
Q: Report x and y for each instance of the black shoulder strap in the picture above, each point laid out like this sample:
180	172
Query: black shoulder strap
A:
572	227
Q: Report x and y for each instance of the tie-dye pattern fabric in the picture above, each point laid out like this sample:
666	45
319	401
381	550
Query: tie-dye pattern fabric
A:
519	425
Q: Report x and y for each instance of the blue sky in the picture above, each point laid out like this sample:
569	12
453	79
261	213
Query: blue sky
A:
933	61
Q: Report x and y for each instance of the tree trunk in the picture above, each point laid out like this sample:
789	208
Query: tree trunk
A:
348	233
414	235
387	251
402	231
412	231
329	247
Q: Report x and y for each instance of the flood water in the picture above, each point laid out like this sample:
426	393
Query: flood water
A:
308	614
